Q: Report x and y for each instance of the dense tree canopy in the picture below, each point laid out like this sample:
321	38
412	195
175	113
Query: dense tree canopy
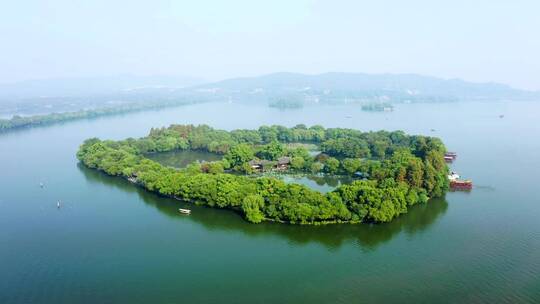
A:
393	170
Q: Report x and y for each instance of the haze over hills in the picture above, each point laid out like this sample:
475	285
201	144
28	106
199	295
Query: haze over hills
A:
359	86
275	83
74	94
285	89
88	86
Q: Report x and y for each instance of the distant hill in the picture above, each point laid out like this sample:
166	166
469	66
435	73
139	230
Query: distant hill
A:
90	86
286	90
333	87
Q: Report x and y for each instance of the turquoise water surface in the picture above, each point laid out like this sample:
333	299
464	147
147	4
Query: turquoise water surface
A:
111	242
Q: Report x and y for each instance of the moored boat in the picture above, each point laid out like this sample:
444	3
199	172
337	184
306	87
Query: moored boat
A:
450	156
461	184
184	211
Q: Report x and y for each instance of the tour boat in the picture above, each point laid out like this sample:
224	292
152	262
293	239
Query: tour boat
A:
460	184
451	154
184	211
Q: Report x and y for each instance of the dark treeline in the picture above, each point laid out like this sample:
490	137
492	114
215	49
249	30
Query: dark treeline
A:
377	107
286	103
17	121
394	170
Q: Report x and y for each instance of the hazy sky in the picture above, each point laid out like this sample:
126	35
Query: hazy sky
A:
478	40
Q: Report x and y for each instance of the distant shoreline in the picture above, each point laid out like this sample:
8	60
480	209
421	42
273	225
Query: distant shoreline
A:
21	122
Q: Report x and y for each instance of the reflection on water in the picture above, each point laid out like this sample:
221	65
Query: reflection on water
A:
368	236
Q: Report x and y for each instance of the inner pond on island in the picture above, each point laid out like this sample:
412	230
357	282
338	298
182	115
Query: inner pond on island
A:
181	158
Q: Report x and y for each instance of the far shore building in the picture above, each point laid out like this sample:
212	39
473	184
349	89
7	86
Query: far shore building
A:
261	165
283	163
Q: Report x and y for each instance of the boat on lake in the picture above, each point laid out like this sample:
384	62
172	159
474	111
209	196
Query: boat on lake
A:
458	184
464	185
450	156
184	211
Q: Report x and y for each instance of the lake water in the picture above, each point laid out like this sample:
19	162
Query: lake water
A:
114	243
323	183
180	159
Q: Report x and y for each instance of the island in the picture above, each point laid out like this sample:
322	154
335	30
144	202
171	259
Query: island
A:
378	107
291	103
391	171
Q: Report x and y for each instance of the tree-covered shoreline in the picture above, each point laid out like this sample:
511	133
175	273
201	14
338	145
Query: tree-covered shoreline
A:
393	171
20	122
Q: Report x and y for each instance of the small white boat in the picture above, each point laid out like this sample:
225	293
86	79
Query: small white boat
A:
453	176
41	185
58	204
184	211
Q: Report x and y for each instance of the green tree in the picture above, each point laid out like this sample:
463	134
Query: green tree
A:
351	165
272	151
297	163
331	165
316	167
251	205
239	154
212	167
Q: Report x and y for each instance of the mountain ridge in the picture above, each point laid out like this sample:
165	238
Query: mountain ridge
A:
330	87
367	82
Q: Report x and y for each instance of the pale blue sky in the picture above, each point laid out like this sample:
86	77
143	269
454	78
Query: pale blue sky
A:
476	40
